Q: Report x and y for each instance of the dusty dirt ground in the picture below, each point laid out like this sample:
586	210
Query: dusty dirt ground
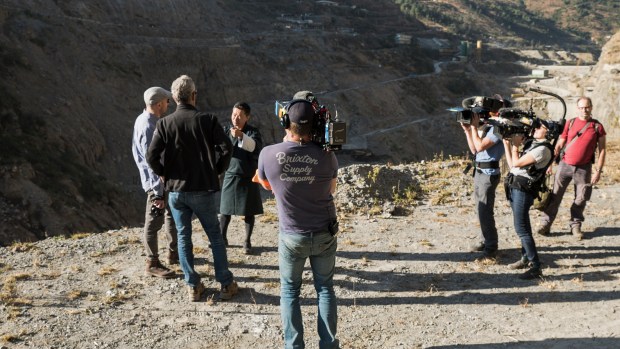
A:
401	282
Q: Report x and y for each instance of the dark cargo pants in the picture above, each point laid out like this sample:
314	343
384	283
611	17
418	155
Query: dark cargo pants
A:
153	224
565	173
484	196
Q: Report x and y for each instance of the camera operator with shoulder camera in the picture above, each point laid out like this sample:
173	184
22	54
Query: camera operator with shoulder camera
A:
302	176
527	171
486	146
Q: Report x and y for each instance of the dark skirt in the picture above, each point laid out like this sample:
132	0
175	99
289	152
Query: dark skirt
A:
240	197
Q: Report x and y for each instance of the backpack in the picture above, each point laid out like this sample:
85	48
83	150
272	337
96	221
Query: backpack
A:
544	194
537	185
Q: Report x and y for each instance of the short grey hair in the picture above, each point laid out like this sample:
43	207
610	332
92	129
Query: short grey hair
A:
182	88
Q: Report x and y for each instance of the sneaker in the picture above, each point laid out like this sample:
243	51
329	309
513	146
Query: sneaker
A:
520	264
576	230
531	274
228	291
544	230
477	247
173	257
155	268
195	293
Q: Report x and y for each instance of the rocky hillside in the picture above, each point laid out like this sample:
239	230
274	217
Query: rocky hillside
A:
574	25
74	73
605	80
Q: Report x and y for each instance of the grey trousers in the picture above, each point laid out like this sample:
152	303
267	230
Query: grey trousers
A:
580	175
153	224
484	195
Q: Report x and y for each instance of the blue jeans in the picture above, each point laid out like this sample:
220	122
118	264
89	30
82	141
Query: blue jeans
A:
293	251
484	195
521	202
205	206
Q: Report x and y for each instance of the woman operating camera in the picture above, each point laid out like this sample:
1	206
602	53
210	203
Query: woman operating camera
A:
526	171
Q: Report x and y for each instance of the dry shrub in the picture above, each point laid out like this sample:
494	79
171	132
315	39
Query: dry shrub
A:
75	294
525	302
106	271
268	217
53	274
78	236
13	338
199	250
22	247
552	285
272	284
128	240
611	170
8	294
117	298
426	243
578	280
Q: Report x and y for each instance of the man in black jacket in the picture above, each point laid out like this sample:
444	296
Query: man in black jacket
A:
189	150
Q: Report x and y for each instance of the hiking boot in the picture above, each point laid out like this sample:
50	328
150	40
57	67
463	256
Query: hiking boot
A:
228	291
195	293
477	246
520	264
173	257
544	230
576	230
155	268
531	274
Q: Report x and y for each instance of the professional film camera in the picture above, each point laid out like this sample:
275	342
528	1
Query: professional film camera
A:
481	105
512	121
327	132
509	121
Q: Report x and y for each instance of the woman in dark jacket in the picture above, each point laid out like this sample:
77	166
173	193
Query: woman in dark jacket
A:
241	196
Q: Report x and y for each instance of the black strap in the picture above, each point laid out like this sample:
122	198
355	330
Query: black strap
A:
487	165
578	133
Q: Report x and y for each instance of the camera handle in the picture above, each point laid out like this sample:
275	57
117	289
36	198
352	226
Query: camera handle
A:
537	90
563	120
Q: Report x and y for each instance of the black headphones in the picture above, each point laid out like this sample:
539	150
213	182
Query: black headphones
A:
285	120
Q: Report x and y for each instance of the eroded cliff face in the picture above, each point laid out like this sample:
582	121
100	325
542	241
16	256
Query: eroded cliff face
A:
605	79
